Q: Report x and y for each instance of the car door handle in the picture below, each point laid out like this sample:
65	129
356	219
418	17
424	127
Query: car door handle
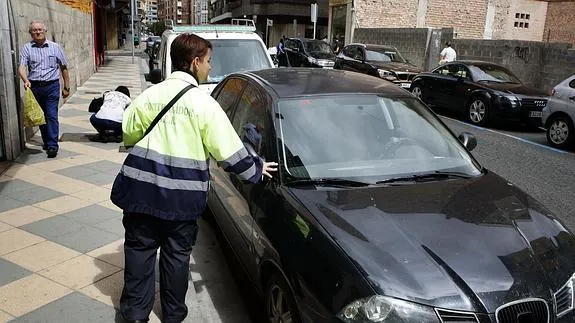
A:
572	98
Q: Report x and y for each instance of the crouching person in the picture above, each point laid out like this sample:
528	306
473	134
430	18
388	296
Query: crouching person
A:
108	120
162	186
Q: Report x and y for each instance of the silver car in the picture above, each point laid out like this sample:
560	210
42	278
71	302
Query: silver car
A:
559	115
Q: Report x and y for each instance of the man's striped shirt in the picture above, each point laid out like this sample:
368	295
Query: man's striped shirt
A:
43	61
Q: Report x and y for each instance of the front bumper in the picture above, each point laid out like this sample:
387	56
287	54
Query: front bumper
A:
527	110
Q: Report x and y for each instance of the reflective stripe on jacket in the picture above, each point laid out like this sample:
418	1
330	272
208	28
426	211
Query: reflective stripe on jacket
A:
166	174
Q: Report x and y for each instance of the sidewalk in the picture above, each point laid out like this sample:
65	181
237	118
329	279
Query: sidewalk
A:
61	239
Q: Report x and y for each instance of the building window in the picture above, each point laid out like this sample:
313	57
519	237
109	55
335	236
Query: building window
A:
520	21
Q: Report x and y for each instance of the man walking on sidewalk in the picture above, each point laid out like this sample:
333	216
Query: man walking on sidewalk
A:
41	63
162	186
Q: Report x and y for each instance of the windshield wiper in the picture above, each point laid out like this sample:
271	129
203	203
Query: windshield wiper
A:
328	182
426	177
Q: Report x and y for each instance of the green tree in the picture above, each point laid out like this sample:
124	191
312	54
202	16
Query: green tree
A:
157	28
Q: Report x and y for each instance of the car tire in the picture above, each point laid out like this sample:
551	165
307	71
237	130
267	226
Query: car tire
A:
280	302
417	92
560	132
478	111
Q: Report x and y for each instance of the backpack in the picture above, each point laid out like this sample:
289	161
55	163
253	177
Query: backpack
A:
97	103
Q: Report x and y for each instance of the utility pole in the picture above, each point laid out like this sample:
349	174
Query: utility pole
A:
314	17
133	8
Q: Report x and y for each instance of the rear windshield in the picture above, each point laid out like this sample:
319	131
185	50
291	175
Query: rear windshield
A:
236	55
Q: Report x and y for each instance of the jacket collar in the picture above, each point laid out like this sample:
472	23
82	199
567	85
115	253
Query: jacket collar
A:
188	78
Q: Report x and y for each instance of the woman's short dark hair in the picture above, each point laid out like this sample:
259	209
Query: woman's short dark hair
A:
123	89
185	48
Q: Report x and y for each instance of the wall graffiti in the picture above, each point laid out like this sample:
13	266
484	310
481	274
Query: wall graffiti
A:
522	53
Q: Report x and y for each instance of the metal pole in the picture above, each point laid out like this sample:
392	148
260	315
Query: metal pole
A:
267	34
132	5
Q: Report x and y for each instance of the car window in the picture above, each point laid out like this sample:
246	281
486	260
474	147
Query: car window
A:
251	120
444	70
360	54
572	84
228	95
163	50
351	51
236	55
463	72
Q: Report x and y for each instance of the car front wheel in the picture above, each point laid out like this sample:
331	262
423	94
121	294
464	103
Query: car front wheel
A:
560	132
478	112
416	91
280	303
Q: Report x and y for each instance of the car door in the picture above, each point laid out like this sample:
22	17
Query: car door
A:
442	86
226	200
351	56
359	62
462	89
291	51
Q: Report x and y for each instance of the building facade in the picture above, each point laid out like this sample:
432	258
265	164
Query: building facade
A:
286	18
472	19
201	13
560	22
151	8
181	12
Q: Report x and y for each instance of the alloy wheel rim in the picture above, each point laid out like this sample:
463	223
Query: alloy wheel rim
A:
477	111
278	309
559	131
417	92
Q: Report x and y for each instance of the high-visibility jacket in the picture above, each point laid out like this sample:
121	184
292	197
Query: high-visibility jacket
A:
166	174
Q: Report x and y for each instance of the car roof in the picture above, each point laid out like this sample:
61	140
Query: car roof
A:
293	82
372	46
474	62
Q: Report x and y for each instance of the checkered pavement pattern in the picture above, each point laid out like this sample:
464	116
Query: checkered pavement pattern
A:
61	239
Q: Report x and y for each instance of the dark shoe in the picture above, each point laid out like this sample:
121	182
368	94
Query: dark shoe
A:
51	152
118	139
44	147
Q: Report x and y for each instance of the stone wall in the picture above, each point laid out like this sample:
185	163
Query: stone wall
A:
389	13
466	17
538	64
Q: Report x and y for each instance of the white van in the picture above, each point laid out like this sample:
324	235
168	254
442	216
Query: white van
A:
236	48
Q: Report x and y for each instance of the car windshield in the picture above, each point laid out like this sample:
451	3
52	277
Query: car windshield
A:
383	55
492	73
314	46
236	55
367	138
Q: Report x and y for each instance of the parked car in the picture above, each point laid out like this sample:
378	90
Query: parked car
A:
236	48
483	91
405	226
273	52
380	61
559	115
305	52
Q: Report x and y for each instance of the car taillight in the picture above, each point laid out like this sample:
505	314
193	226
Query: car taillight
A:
552	92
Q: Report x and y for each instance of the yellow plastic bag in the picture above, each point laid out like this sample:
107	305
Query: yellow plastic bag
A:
33	114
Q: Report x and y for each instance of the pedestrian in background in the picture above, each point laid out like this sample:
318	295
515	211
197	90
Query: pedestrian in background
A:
42	62
108	120
448	54
162	186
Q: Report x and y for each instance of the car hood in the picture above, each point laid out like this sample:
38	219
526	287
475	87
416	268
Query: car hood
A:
469	245
518	89
396	66
322	55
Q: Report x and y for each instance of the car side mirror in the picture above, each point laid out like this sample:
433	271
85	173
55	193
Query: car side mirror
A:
468	140
155	76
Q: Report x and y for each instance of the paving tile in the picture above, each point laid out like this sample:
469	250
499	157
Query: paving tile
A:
24	215
110	205
63	204
79	272
10	272
5	317
105	166
53	227
53	165
93	214
66	113
35	195
5	227
75	307
114	226
14	185
8	203
32	156
28	294
40	256
79	160
100	178
112	253
87	238
16	239
107	290
96	194
77	172
66	129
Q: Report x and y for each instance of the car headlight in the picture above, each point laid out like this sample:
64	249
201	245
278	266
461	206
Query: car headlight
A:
513	101
385	74
386	309
312	60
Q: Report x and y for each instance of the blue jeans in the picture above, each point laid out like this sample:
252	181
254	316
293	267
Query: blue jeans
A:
104	126
48	97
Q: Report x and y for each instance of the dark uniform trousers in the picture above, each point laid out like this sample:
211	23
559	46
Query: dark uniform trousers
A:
144	235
